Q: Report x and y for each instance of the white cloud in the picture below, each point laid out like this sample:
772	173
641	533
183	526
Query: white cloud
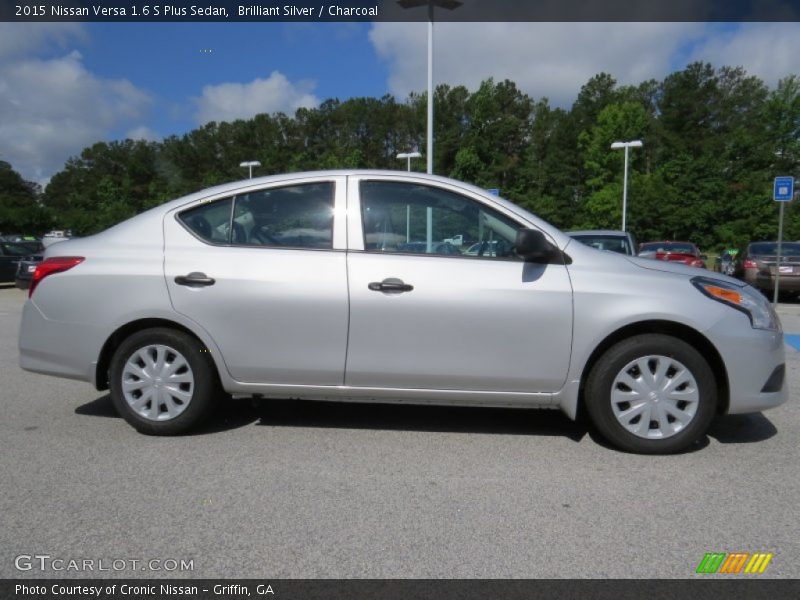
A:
50	109
143	133
230	101
18	39
556	59
769	50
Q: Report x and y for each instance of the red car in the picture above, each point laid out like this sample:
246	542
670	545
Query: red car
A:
683	252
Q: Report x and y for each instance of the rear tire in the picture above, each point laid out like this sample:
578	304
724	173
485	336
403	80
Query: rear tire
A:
163	382
651	394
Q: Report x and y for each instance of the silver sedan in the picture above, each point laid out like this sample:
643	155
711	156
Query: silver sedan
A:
303	286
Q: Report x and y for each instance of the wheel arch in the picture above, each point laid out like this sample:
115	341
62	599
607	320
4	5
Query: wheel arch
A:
123	332
677	330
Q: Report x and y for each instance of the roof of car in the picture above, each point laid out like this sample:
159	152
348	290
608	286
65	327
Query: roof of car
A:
599	232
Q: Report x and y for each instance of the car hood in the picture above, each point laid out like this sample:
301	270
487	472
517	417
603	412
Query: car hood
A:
678	268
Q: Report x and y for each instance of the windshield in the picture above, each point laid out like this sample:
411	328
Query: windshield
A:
772	248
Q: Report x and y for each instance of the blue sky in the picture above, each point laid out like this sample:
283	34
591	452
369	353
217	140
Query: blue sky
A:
64	86
173	62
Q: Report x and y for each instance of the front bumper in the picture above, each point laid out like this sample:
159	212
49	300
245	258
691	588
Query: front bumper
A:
751	358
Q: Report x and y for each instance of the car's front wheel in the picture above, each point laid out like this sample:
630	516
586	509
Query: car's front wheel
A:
163	382
652	393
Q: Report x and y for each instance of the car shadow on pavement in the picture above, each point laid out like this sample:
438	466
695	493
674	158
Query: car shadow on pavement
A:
407	417
231	414
101	407
742	429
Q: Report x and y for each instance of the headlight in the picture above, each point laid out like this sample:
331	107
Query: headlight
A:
746	299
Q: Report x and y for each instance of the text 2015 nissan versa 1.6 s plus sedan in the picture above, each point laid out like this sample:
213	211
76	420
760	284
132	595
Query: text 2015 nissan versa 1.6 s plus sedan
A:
298	286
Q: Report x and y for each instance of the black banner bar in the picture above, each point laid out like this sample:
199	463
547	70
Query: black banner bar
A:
399	10
398	589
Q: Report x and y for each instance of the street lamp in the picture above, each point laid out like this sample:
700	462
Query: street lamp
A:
249	164
448	5
626	145
408	156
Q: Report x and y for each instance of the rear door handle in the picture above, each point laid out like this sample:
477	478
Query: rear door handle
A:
195	279
391	285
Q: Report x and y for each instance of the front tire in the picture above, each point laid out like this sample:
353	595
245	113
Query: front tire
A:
163	382
651	394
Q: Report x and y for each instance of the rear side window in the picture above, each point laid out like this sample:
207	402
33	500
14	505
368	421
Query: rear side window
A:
211	221
299	216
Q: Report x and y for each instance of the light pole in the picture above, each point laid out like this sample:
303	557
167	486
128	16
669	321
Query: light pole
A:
449	5
408	156
626	145
249	164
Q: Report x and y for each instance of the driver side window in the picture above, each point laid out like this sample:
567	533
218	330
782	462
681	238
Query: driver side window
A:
420	219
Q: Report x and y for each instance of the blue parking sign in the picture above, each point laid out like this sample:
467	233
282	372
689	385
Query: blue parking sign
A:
784	189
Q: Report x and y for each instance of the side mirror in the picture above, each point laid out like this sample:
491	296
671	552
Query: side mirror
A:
532	246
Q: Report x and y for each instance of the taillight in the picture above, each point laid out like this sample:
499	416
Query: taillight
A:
750	264
56	264
698	263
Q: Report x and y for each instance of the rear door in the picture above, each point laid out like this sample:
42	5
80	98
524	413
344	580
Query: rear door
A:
264	272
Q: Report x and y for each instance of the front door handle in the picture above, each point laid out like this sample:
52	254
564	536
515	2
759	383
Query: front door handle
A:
391	285
195	279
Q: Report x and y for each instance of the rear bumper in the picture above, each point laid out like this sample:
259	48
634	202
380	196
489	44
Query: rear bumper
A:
751	357
57	348
788	283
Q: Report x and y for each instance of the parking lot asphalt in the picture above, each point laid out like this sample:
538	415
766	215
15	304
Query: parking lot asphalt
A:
312	490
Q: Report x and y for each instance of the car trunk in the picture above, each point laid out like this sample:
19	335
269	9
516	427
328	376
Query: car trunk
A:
789	265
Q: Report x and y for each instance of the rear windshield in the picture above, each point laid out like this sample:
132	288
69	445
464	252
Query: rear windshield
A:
17	249
772	248
605	242
669	247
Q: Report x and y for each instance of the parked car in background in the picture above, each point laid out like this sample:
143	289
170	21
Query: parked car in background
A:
607	239
57	235
10	255
725	262
206	294
16	237
26	266
680	252
758	263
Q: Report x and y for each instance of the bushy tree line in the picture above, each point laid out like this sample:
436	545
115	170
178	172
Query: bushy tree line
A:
713	141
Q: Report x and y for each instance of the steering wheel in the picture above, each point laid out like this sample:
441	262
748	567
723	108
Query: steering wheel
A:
261	234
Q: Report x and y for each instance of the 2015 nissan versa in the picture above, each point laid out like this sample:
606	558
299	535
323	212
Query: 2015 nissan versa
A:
334	286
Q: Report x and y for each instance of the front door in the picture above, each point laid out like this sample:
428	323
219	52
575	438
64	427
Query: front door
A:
438	299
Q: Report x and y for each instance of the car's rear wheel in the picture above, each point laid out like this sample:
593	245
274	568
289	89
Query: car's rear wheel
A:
163	382
652	393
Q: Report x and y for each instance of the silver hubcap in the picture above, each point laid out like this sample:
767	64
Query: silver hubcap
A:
654	397
157	382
